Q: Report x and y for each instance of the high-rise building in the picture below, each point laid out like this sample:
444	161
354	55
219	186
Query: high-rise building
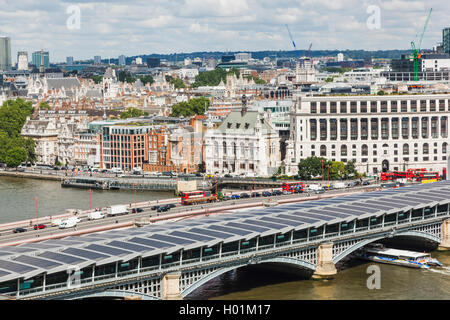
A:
39	57
122	60
69	60
446	40
153	62
97	59
22	60
340	57
5	53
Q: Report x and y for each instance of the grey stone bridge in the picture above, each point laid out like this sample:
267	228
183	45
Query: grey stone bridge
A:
170	261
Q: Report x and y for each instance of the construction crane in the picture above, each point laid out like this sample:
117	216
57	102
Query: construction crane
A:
290	36
416	50
309	50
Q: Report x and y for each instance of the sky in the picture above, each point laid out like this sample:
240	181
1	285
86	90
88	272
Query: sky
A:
110	28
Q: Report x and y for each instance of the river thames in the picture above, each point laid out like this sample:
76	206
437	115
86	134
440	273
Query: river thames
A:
256	282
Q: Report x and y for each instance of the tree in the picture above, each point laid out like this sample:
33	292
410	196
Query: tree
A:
350	169
131	113
97	79
178	83
15	156
44	105
196	106
337	170
312	167
125	76
147	79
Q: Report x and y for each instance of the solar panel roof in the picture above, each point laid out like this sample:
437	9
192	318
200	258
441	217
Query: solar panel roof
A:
40	263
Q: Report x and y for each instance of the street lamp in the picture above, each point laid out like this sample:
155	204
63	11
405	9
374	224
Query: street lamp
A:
90	199
35	198
135	205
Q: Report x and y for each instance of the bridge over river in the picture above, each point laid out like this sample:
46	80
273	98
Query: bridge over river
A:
169	261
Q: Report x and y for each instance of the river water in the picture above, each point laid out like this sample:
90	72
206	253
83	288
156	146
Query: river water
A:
17	198
255	282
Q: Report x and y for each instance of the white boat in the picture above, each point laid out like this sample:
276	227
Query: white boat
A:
378	253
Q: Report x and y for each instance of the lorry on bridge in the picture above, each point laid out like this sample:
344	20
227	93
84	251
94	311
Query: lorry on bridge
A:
115	210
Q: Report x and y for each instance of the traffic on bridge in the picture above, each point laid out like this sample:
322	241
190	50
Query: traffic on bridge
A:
190	252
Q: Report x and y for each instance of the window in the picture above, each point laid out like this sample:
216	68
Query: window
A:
364	150
323	151
313	107
344	150
425	149
405	149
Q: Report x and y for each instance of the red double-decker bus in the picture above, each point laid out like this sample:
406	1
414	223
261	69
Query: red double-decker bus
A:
292	186
427	176
196	197
410	174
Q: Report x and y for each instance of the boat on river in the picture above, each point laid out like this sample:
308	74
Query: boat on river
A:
378	253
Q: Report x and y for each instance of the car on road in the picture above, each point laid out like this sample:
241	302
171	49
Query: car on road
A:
277	193
162	209
318	191
39	226
155	207
245	195
136	210
235	196
171	205
256	194
285	192
266	194
226	198
19	230
228	175
366	183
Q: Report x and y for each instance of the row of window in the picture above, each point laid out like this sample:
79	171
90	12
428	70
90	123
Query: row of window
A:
379	106
425	127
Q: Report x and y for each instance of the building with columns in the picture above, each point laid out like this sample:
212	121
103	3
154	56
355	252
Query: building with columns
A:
381	133
244	144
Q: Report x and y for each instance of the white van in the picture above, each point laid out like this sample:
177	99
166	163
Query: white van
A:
117	170
56	222
68	224
95	215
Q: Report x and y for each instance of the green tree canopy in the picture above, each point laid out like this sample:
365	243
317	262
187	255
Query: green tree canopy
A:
196	106
14	147
132	113
146	79
44	105
125	76
15	156
97	78
312	167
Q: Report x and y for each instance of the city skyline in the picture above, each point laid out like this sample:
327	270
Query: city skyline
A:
109	29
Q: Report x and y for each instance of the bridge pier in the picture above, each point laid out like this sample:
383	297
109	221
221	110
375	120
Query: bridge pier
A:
325	265
445	243
170	286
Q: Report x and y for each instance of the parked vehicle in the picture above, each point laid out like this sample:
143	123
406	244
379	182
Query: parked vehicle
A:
95	215
117	170
116	210
19	230
39	226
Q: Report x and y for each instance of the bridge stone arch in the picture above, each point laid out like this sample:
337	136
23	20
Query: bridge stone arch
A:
355	246
118	294
219	271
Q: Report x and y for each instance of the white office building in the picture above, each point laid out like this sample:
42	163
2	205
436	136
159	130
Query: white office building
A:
392	132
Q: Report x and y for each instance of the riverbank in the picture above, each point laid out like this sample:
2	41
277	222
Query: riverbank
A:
28	175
